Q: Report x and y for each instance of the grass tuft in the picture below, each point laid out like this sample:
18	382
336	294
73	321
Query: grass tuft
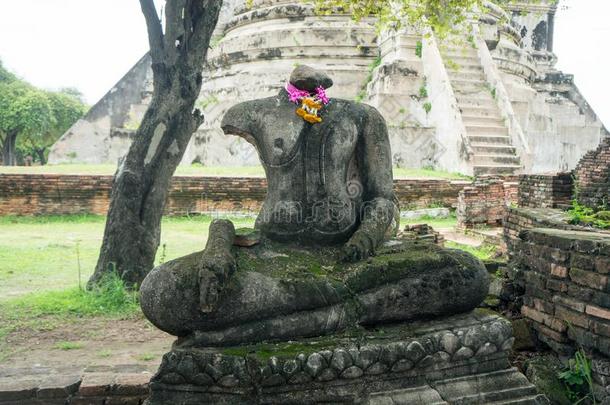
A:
69	345
109	298
483	252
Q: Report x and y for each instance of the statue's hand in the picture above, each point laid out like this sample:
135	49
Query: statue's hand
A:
214	273
357	248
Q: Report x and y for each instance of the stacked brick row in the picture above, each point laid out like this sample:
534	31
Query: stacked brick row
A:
545	191
422	193
593	177
483	202
87	194
567	288
89	389
517	219
22	194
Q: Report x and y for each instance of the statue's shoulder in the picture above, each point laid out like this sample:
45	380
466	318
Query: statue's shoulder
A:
239	118
357	110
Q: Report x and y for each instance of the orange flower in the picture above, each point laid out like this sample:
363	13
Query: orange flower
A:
311	118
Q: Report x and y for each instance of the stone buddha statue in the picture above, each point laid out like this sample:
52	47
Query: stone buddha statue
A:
322	257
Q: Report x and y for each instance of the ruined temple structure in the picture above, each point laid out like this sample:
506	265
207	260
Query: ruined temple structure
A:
492	103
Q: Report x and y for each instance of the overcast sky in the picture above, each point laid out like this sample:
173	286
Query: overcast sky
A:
91	44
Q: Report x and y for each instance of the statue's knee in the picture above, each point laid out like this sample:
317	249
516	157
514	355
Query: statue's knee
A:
170	298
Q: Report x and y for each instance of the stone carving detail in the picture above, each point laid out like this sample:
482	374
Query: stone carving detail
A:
373	357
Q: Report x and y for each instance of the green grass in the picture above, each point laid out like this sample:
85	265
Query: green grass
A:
484	252
199	170
69	345
447	222
110	298
40	253
147	357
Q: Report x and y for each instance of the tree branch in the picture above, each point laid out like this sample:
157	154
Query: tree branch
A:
174	12
155	31
204	17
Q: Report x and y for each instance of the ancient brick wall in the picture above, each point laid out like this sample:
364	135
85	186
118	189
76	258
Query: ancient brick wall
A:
593	177
567	288
90	194
90	388
483	202
545	190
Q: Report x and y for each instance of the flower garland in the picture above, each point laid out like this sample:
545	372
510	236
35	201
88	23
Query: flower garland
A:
311	103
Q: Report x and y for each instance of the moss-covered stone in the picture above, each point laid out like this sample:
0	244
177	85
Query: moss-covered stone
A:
543	373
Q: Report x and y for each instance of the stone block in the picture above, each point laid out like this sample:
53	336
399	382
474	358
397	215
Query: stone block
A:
569	303
124	400
87	400
17	390
58	387
131	384
598	312
556	285
559	271
572	317
583	262
589	279
602	265
599	327
96	384
544	306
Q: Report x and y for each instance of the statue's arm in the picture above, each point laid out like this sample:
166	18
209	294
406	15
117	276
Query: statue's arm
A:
217	264
380	214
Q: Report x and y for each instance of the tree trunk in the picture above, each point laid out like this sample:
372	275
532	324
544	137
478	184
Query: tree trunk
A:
41	156
142	180
9	155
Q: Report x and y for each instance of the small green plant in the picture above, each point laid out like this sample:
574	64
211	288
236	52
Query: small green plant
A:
418	49
104	354
146	357
493	93
69	345
483	252
423	92
369	78
428	107
582	215
109	297
578	378
203	104
162	256
470	40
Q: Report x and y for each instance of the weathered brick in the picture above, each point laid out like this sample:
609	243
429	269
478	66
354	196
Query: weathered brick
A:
598	312
599	327
602	265
132	384
550	333
87	400
580	293
589	279
557	285
58	387
583	262
96	384
572	317
570	303
124	400
559	271
17	390
543	306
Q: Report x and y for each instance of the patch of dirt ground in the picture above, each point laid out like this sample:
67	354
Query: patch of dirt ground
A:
85	343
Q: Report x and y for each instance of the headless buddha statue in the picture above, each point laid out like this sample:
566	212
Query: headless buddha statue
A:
325	259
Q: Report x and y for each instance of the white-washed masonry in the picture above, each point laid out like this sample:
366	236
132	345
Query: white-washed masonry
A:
490	103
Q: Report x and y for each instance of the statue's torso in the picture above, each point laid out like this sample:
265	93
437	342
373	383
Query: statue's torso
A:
313	189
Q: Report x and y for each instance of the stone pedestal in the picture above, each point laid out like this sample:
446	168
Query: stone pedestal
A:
459	359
